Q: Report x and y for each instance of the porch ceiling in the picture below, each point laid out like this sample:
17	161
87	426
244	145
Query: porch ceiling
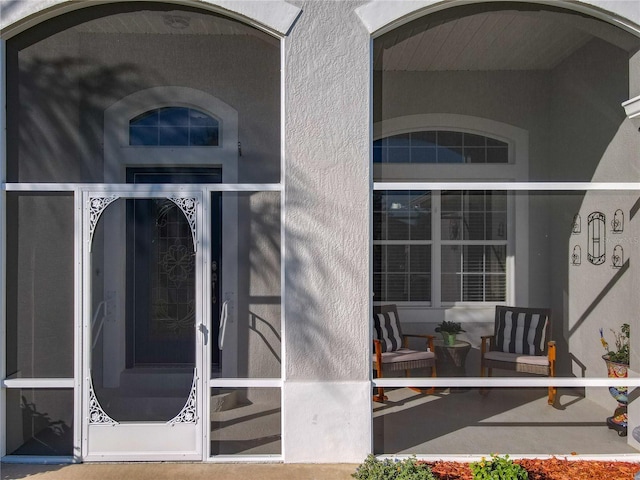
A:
170	22
492	40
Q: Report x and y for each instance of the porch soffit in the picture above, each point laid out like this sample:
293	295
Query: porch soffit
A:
464	38
381	16
273	16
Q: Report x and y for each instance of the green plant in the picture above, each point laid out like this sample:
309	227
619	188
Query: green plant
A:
449	327
387	469
621	340
499	468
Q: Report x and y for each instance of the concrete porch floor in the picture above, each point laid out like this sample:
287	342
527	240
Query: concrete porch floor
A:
514	421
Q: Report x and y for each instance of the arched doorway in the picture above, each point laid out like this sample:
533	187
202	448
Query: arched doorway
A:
129	184
560	76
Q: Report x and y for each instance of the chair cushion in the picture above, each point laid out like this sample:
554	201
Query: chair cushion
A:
386	328
405	355
520	332
517	358
405	359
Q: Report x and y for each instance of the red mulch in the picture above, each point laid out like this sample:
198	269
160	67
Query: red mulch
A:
550	469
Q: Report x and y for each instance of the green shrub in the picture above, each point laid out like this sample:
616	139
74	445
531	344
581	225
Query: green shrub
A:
407	469
499	468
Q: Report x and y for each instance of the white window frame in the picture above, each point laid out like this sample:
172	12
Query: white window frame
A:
227	156
439	177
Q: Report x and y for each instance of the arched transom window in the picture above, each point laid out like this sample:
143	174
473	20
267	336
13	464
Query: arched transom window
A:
440	146
174	126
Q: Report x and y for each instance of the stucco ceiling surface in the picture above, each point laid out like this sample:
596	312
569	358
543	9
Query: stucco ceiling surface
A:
492	40
274	15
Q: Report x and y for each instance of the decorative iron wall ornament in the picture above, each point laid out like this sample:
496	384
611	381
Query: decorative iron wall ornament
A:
576	228
617	224
596	238
97	416
188	206
189	413
96	207
576	256
617	259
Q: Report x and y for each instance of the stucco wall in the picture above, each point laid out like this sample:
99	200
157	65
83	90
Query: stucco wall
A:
327	122
327	198
78	75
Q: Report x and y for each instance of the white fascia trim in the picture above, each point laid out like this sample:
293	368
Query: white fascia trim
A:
272	16
39	383
245	383
3	243
378	14
632	107
382	16
277	15
509	186
154	189
501	382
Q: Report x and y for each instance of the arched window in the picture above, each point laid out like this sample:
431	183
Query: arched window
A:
440	146
443	247
165	122
174	126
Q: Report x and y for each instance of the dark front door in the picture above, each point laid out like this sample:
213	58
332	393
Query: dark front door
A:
160	278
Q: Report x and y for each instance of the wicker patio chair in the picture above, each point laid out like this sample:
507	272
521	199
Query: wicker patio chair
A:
521	343
392	352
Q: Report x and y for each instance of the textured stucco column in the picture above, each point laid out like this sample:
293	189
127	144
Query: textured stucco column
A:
327	406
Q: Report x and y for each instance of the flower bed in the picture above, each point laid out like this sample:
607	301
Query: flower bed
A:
550	469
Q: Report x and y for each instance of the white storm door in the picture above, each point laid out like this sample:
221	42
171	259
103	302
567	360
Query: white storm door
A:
143	331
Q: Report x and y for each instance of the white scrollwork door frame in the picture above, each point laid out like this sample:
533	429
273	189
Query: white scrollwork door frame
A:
180	438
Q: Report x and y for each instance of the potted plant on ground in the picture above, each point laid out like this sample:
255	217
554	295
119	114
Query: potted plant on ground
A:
449	330
617	362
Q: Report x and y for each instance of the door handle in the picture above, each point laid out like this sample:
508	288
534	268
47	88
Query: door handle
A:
223	323
205	332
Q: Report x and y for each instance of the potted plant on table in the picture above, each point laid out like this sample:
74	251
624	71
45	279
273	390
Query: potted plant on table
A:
617	362
449	330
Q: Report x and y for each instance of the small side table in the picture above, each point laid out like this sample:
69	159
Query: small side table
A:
451	359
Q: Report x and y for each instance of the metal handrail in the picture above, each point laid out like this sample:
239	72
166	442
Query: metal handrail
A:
223	323
103	305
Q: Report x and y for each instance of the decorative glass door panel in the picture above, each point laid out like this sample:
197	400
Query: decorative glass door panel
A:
161	282
142	306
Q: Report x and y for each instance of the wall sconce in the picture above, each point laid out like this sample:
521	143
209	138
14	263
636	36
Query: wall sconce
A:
597	238
617	224
576	256
617	259
576	228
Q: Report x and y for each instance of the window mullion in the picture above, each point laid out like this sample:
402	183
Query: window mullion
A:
436	252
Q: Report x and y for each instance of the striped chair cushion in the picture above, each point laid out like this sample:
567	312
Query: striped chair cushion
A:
386	328
520	332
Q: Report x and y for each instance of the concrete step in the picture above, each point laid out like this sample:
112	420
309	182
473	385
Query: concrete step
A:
127	408
124	407
224	400
156	380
